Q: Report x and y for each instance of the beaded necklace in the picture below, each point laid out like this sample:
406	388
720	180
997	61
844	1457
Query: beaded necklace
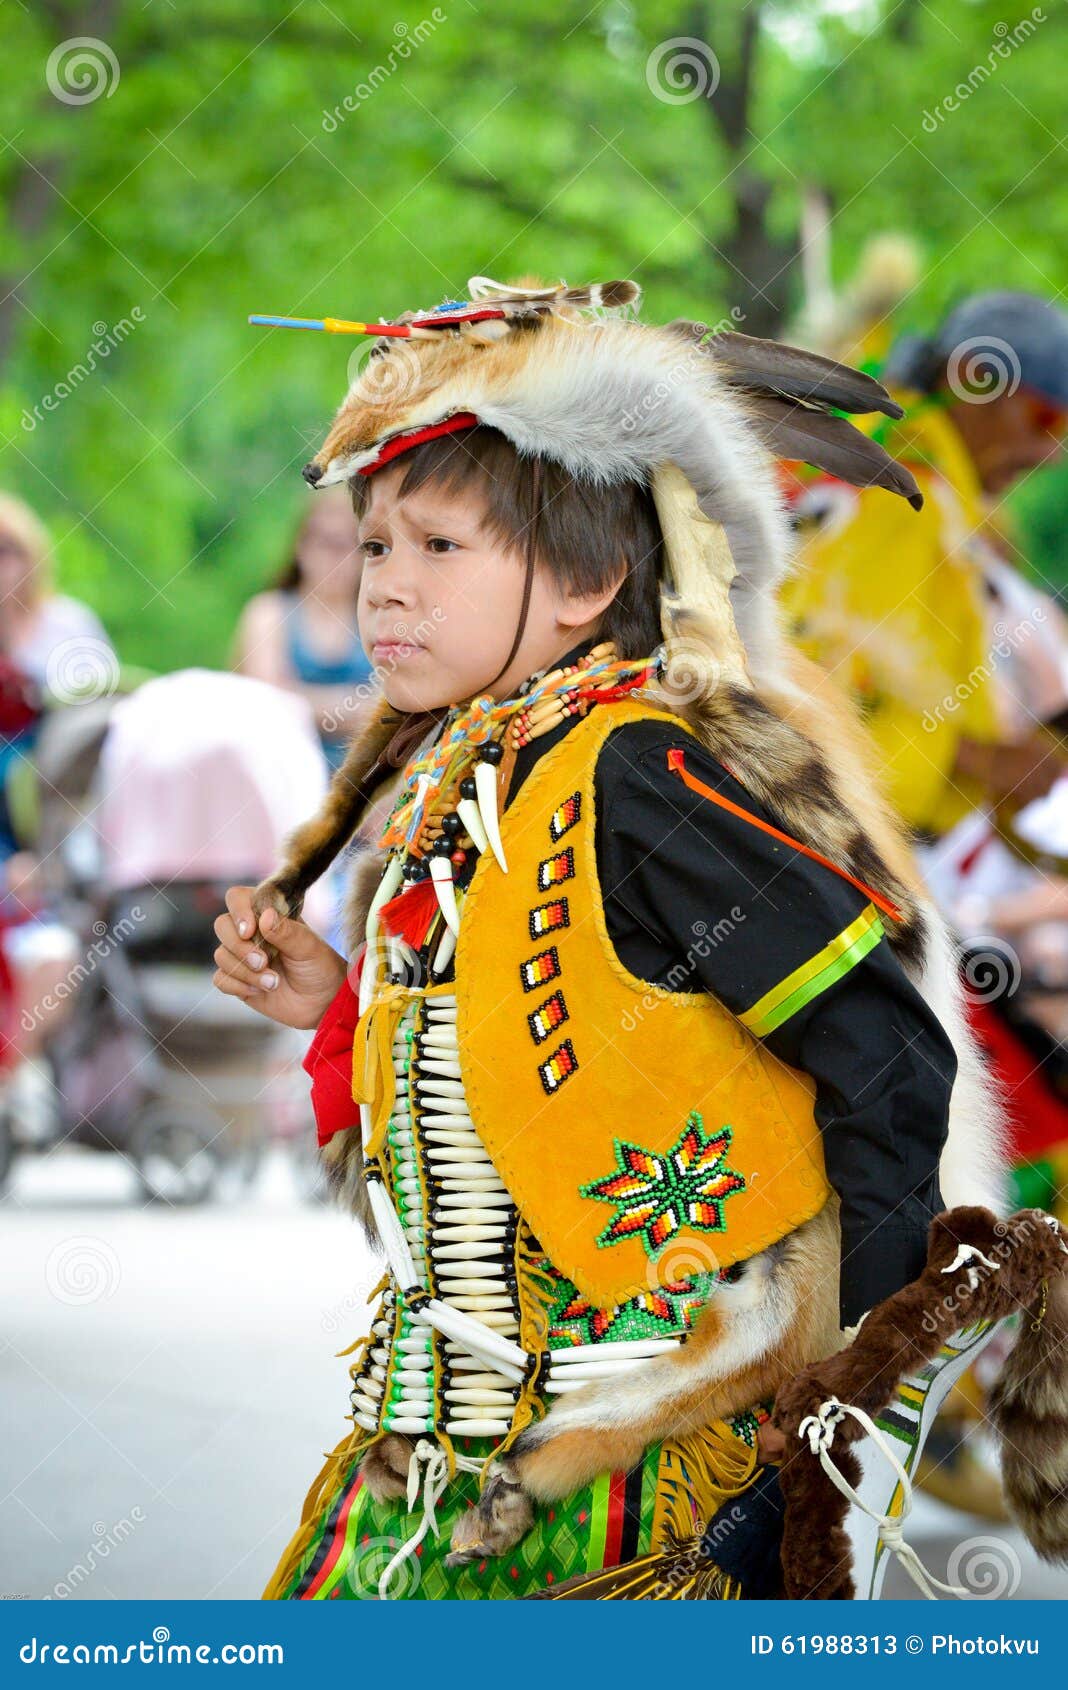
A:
450	786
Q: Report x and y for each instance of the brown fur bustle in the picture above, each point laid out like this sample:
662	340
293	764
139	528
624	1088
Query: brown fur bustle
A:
1029	1409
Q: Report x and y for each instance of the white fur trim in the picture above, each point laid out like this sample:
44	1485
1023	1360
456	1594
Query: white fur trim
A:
613	401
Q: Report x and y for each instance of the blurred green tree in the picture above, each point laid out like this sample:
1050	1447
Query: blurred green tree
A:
198	161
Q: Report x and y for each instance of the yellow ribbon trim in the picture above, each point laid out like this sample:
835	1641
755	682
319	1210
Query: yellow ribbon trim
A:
832	961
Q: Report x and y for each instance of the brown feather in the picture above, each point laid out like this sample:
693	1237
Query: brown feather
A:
792	430
792	371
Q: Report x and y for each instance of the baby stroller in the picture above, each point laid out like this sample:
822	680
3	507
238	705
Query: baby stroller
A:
151	806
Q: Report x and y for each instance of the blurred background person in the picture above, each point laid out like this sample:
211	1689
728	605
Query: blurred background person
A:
302	633
959	662
915	612
53	650
36	622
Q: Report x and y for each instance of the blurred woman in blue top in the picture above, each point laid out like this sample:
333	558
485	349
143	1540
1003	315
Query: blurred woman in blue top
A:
302	634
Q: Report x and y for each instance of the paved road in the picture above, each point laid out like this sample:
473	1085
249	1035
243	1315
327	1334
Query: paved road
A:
170	1384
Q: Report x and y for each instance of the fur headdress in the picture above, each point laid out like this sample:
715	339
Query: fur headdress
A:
698	414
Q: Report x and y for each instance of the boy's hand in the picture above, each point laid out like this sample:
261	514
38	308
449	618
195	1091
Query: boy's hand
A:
297	988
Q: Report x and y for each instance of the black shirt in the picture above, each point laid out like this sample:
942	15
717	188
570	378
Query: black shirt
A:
699	899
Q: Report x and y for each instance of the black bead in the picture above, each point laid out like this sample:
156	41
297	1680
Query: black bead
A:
491	752
442	847
468	789
451	823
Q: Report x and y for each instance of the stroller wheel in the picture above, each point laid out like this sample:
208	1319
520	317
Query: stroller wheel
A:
176	1155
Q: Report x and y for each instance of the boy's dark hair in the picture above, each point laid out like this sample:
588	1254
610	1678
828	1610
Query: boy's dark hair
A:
583	531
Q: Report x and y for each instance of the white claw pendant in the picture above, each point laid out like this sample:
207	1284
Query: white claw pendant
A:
486	791
391	879
443	954
441	875
467	810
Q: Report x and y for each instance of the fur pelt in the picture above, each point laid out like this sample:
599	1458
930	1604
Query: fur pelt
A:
1029	1409
611	401
897	1338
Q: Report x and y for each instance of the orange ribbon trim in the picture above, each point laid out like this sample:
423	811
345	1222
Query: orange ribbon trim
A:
676	762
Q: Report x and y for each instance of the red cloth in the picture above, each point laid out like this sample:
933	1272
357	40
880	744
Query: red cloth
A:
8	1052
1038	1114
329	1059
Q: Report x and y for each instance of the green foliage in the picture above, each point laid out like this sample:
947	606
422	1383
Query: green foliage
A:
213	181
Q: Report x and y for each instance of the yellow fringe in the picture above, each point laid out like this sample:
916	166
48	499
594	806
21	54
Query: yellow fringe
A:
328	1478
697	1474
354	1443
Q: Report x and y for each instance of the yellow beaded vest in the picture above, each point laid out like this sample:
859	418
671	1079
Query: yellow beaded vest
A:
636	1128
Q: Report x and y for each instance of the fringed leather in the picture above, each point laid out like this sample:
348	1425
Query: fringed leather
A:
351	1448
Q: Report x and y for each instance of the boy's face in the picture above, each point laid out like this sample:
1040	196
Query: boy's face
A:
440	599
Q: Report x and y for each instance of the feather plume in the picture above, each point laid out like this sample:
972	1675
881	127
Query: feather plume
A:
830	443
769	366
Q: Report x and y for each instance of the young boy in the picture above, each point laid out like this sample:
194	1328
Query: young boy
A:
643	1103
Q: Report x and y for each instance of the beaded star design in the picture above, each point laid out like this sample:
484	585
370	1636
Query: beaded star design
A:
657	1195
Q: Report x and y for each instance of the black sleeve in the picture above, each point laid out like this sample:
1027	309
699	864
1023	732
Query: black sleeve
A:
712	902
